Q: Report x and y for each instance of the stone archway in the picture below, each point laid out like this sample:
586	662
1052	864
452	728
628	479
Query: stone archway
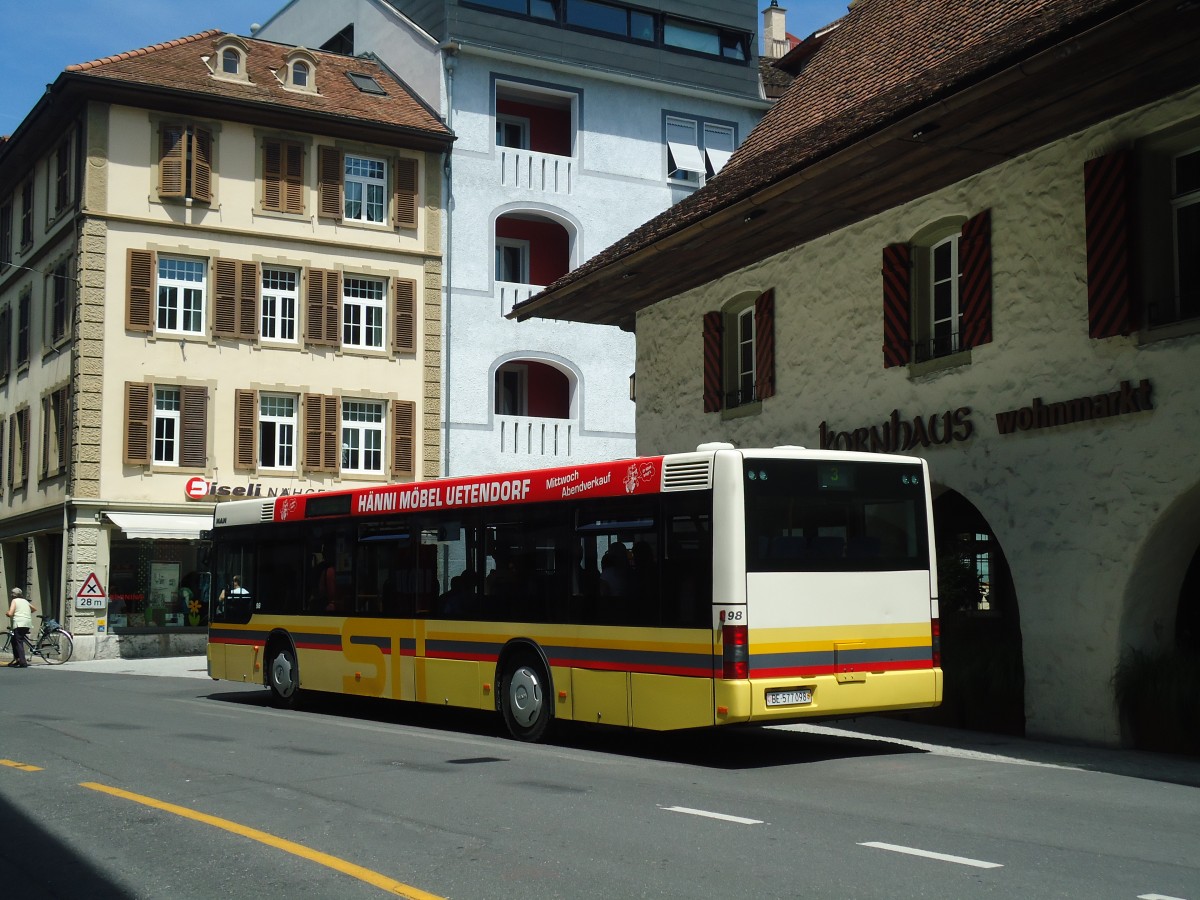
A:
984	687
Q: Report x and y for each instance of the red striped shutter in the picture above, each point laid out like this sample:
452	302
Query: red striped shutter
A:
975	289
764	345
1108	219
713	374
897	305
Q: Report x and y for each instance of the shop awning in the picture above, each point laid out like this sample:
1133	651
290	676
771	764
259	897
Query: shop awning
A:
178	526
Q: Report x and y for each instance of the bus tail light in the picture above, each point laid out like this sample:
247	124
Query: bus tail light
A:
935	631
735	656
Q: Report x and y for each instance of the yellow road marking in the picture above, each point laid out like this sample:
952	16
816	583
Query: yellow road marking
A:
24	767
340	865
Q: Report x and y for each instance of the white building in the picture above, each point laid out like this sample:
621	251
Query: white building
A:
575	122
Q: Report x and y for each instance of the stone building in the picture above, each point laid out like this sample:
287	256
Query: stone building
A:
220	263
971	232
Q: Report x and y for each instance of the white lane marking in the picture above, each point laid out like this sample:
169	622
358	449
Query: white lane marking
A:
1156	897
929	854
712	815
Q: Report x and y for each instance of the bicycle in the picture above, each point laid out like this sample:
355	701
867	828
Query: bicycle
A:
54	643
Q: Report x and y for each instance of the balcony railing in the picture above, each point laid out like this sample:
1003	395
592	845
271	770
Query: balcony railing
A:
510	293
536	440
535	171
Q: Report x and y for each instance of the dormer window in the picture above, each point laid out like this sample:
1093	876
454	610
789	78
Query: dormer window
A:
301	71
230	61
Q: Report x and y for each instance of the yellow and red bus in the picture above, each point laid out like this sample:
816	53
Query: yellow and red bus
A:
694	589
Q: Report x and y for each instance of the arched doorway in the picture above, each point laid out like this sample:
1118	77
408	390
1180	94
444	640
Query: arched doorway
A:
984	687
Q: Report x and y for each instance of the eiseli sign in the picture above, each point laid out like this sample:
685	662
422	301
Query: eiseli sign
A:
199	488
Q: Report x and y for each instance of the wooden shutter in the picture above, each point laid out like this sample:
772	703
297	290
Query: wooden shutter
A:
273	175
201	165
404	338
975	292
764	345
329	183
139	416
897	305
193	419
404	193
321	438
47	423
12	430
139	290
714	377
404	437
323	307
63	425
23	417
283	176
245	409
235	302
293	172
1108	218
172	156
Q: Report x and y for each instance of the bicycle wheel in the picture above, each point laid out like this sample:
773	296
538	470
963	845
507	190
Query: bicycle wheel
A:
56	647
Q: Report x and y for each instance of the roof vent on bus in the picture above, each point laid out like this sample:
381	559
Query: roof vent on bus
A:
687	474
267	513
714	445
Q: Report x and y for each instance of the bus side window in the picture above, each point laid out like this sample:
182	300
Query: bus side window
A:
687	572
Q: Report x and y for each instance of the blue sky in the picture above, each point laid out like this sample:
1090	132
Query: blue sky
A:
40	38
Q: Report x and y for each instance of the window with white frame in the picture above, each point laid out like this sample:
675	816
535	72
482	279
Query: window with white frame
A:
166	426
1185	210
512	260
745	358
277	431
511	389
362	436
697	149
512	131
365	189
280	298
945	310
181	290
363	304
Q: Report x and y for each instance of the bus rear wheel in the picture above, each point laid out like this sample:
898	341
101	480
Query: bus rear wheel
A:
525	699
283	676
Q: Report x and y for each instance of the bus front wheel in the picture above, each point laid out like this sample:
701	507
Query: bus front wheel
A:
525	699
283	677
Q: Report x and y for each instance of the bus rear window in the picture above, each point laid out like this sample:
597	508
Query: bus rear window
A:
817	516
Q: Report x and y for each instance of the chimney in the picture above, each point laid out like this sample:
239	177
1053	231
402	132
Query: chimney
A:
775	42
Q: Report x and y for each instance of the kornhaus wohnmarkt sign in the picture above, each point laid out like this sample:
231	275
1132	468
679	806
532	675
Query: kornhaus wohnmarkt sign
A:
900	434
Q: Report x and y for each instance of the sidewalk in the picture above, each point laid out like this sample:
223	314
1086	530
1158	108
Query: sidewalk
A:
998	748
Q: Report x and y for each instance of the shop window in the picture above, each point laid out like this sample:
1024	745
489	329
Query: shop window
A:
739	352
157	584
353	188
937	291
185	163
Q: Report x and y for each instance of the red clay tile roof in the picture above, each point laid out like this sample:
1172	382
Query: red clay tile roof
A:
179	65
886	59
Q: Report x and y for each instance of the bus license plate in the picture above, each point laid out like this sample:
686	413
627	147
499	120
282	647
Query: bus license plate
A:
801	697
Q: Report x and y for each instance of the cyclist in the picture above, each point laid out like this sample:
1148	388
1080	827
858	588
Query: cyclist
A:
20	611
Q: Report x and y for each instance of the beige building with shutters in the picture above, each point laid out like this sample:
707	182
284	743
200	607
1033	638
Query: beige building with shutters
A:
220	265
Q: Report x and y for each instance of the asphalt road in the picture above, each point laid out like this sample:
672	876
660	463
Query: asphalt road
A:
115	783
